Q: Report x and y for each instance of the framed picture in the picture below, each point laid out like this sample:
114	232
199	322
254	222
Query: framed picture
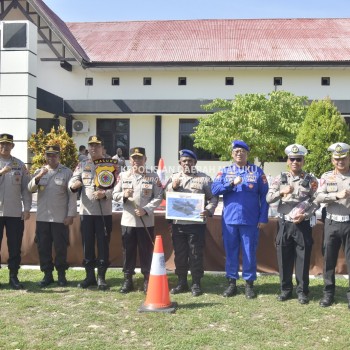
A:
184	206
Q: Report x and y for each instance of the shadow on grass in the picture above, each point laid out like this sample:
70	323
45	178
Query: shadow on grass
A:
192	306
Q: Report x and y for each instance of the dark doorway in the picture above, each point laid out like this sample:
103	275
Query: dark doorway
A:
116	134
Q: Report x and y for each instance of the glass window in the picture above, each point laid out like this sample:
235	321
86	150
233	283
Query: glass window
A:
186	140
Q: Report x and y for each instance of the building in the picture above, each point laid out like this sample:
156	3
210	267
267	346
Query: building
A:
143	83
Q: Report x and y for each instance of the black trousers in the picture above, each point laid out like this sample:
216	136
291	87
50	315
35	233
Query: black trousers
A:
48	233
14	233
133	238
96	228
294	244
189	242
336	234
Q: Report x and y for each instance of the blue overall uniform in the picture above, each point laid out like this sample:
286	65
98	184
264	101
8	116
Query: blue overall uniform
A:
244	207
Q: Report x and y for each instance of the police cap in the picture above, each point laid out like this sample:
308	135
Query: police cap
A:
339	150
95	139
55	149
6	138
137	151
295	150
240	144
187	153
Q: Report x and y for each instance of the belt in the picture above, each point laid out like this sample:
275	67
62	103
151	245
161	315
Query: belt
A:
338	218
285	217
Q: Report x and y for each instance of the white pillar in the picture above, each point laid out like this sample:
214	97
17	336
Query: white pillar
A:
18	83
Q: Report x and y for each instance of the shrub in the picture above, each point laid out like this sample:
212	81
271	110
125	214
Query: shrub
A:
38	142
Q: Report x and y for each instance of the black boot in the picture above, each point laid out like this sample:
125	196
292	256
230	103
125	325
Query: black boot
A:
182	286
231	290
145	283
62	281
90	279
101	278
285	295
249	290
327	300
13	280
196	287
47	280
127	286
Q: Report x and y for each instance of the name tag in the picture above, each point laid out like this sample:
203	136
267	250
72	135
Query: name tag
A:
251	178
332	187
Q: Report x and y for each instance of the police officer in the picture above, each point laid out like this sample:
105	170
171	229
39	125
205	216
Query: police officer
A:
334	191
244	187
295	190
95	216
57	207
14	180
141	193
189	236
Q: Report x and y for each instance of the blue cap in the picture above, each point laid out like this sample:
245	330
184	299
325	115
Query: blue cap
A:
187	153
240	144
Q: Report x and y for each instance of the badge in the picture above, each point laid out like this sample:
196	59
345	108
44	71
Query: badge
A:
147	193
218	175
106	172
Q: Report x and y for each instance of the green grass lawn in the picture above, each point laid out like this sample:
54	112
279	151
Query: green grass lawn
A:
70	318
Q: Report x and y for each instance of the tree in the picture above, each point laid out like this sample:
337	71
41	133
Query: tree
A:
322	126
38	142
266	123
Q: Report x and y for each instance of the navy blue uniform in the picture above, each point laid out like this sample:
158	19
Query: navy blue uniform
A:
244	207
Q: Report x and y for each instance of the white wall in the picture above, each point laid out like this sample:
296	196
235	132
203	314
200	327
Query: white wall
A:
201	83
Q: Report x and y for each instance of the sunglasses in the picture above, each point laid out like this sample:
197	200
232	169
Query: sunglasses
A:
295	160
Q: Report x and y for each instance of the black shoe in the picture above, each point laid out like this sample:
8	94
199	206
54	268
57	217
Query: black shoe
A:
230	291
196	290
47	280
61	280
303	298
87	283
284	296
15	283
101	283
127	286
327	300
180	288
249	290
145	286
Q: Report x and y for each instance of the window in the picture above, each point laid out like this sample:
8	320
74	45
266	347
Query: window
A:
115	133
325	81
115	81
229	81
147	81
182	81
186	140
14	35
277	81
89	81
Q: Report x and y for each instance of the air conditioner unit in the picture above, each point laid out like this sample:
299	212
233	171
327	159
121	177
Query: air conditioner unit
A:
80	126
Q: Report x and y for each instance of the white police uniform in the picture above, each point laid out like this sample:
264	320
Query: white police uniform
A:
55	203
337	221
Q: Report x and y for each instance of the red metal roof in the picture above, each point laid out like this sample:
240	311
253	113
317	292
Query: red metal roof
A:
216	41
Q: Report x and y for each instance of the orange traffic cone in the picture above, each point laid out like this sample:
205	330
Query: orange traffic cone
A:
157	298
